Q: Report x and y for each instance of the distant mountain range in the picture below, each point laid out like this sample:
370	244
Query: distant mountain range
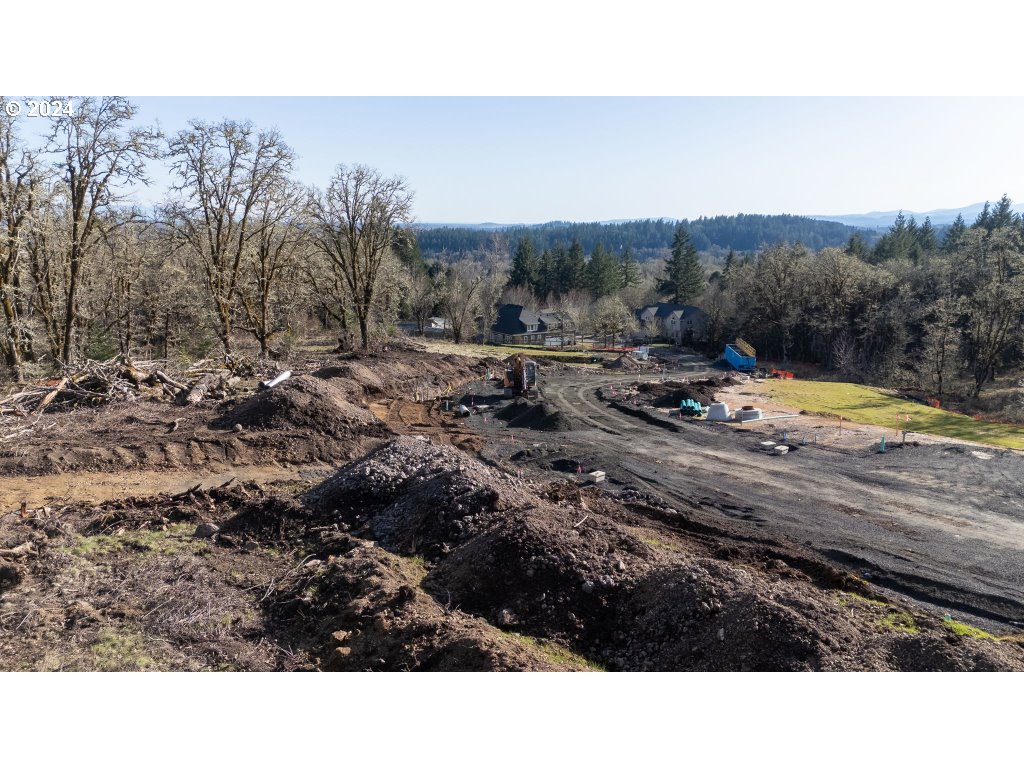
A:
873	220
647	238
489	226
882	219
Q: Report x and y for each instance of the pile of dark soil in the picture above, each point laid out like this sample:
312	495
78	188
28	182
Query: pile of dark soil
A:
418	496
420	557
575	569
515	409
308	402
523	414
544	416
365	610
669	394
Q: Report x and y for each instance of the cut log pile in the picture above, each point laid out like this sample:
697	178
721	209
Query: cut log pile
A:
122	379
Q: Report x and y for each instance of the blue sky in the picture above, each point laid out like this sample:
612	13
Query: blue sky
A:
538	159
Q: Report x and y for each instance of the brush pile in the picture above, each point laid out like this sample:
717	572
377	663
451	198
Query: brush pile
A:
121	379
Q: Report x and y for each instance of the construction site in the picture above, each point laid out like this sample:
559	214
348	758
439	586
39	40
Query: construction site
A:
410	510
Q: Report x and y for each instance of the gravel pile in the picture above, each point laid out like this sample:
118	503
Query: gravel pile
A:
625	363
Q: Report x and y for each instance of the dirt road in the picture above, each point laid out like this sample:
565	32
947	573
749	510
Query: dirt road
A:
941	524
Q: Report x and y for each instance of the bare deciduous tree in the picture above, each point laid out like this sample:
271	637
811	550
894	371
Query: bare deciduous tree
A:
610	318
354	224
520	295
19	182
270	264
424	294
462	302
573	307
101	153
228	173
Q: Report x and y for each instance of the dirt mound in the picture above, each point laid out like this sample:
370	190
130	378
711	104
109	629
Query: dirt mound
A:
502	575
365	610
304	401
565	567
515	409
408	374
418	496
625	363
355	378
523	414
669	394
546	417
539	574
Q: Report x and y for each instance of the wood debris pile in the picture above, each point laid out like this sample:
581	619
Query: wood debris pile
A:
122	379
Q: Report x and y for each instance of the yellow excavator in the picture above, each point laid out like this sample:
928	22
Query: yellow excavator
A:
520	376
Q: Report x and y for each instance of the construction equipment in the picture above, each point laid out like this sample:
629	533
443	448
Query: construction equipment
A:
520	376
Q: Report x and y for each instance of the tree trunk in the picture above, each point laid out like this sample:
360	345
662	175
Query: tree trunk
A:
364	332
13	352
202	387
225	328
68	345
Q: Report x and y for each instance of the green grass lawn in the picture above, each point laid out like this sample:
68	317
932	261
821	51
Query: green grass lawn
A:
868	405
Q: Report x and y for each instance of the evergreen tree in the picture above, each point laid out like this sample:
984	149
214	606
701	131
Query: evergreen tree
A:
955	234
926	239
857	248
629	272
407	249
1002	215
572	267
914	250
984	219
525	270
722	278
730	261
603	277
684	276
898	242
547	274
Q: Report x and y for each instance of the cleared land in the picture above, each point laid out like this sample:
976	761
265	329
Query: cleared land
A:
878	407
501	351
346	521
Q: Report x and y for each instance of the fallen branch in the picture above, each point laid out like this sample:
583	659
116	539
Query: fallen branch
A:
22	550
53	393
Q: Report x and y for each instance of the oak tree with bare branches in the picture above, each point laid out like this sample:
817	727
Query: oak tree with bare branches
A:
101	154
354	227
228	177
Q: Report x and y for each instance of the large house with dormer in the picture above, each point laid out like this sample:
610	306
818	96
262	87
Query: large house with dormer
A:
518	325
681	323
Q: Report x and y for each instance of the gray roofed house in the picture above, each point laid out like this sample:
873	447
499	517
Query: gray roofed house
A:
518	325
680	322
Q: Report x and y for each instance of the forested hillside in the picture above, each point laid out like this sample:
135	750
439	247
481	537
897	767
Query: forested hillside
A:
650	237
